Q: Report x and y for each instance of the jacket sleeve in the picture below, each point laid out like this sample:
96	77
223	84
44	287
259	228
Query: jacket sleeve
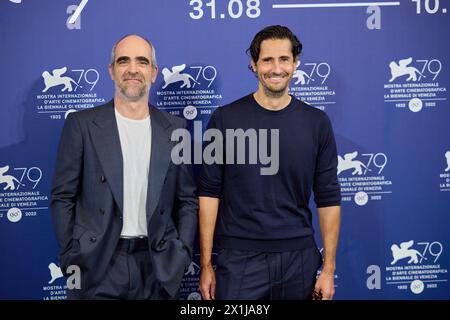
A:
66	181
186	203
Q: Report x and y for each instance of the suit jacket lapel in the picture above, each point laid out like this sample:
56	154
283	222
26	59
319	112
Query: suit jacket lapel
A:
160	158
105	137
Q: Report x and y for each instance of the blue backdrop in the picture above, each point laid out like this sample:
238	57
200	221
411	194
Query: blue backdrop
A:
380	72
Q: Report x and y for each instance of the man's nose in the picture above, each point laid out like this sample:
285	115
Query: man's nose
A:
276	67
132	67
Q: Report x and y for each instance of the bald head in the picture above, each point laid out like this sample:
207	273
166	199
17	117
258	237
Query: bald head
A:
133	68
134	40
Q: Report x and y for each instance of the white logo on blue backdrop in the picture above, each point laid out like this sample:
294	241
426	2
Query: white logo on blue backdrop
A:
415	266
193	269
444	177
301	76
311	84
447	156
190	112
174	75
348	163
403	68
360	177
11	182
189	90
21	196
14	214
414	85
405	251
55	272
56	79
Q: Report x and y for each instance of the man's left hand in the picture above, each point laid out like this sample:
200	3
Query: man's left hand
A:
324	288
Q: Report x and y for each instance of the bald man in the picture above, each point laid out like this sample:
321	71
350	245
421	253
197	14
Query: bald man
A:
124	214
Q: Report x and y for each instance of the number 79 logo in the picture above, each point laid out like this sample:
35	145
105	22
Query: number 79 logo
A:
320	70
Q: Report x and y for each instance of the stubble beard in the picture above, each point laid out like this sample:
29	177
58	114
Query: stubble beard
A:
130	93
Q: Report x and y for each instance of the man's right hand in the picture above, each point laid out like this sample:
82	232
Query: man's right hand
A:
207	283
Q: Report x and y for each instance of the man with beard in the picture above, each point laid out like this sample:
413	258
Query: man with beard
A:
265	234
124	214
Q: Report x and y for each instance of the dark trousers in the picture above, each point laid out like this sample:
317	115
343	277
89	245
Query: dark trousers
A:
129	275
253	275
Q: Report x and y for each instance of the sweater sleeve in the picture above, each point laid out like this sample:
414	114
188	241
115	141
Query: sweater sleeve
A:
211	175
326	186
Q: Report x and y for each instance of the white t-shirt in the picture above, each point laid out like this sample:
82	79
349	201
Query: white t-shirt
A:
135	141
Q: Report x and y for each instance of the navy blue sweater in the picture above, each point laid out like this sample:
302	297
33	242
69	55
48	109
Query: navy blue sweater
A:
270	212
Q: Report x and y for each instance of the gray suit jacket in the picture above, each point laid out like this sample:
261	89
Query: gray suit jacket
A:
87	198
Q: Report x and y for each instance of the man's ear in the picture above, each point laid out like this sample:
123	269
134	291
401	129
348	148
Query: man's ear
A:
155	74
111	71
